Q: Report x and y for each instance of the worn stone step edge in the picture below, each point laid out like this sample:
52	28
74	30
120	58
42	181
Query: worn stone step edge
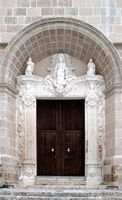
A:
60	193
58	198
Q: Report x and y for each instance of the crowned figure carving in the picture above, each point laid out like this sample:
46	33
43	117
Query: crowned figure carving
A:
61	72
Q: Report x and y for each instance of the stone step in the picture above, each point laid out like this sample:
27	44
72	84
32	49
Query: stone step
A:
60	198
59	194
60	181
64	182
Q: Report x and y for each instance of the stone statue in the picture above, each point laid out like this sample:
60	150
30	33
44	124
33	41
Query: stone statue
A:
30	67
61	73
91	68
61	69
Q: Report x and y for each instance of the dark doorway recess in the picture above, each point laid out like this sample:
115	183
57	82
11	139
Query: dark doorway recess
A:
60	138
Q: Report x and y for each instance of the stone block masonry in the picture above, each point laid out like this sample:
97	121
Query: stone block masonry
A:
7	136
102	14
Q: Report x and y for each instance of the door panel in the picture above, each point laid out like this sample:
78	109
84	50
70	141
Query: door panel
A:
46	115
73	114
73	158
46	138
46	154
73	129
60	137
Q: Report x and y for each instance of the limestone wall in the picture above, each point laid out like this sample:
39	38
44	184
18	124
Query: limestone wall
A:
113	138
103	14
7	136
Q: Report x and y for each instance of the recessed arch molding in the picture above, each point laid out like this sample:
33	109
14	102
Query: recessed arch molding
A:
45	37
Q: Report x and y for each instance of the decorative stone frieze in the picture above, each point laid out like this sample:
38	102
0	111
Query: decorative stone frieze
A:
62	83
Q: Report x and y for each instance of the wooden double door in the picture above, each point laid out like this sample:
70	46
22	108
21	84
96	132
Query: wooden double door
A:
60	138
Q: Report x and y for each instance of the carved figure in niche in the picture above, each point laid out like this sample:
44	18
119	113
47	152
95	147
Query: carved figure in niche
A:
91	68
61	69
61	74
30	67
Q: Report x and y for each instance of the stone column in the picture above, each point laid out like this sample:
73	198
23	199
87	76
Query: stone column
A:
27	133
94	104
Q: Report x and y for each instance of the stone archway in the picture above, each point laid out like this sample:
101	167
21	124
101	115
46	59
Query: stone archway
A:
61	83
44	38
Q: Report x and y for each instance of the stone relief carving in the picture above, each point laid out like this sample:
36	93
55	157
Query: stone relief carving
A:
95	90
61	81
61	74
26	94
27	172
92	170
29	68
92	96
101	125
20	131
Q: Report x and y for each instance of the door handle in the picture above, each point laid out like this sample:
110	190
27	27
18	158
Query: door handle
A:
52	149
68	149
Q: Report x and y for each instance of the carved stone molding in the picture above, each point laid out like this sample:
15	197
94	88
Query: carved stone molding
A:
94	172
20	132
61	82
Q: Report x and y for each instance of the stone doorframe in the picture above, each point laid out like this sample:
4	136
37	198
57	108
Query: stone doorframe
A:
88	87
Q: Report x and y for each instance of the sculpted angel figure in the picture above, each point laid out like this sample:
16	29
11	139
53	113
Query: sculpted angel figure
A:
91	68
30	67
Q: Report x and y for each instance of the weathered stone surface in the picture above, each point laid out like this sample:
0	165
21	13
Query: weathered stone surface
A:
59	194
59	11
10	20
43	3
19	11
7	4
80	9
23	3
70	11
47	11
